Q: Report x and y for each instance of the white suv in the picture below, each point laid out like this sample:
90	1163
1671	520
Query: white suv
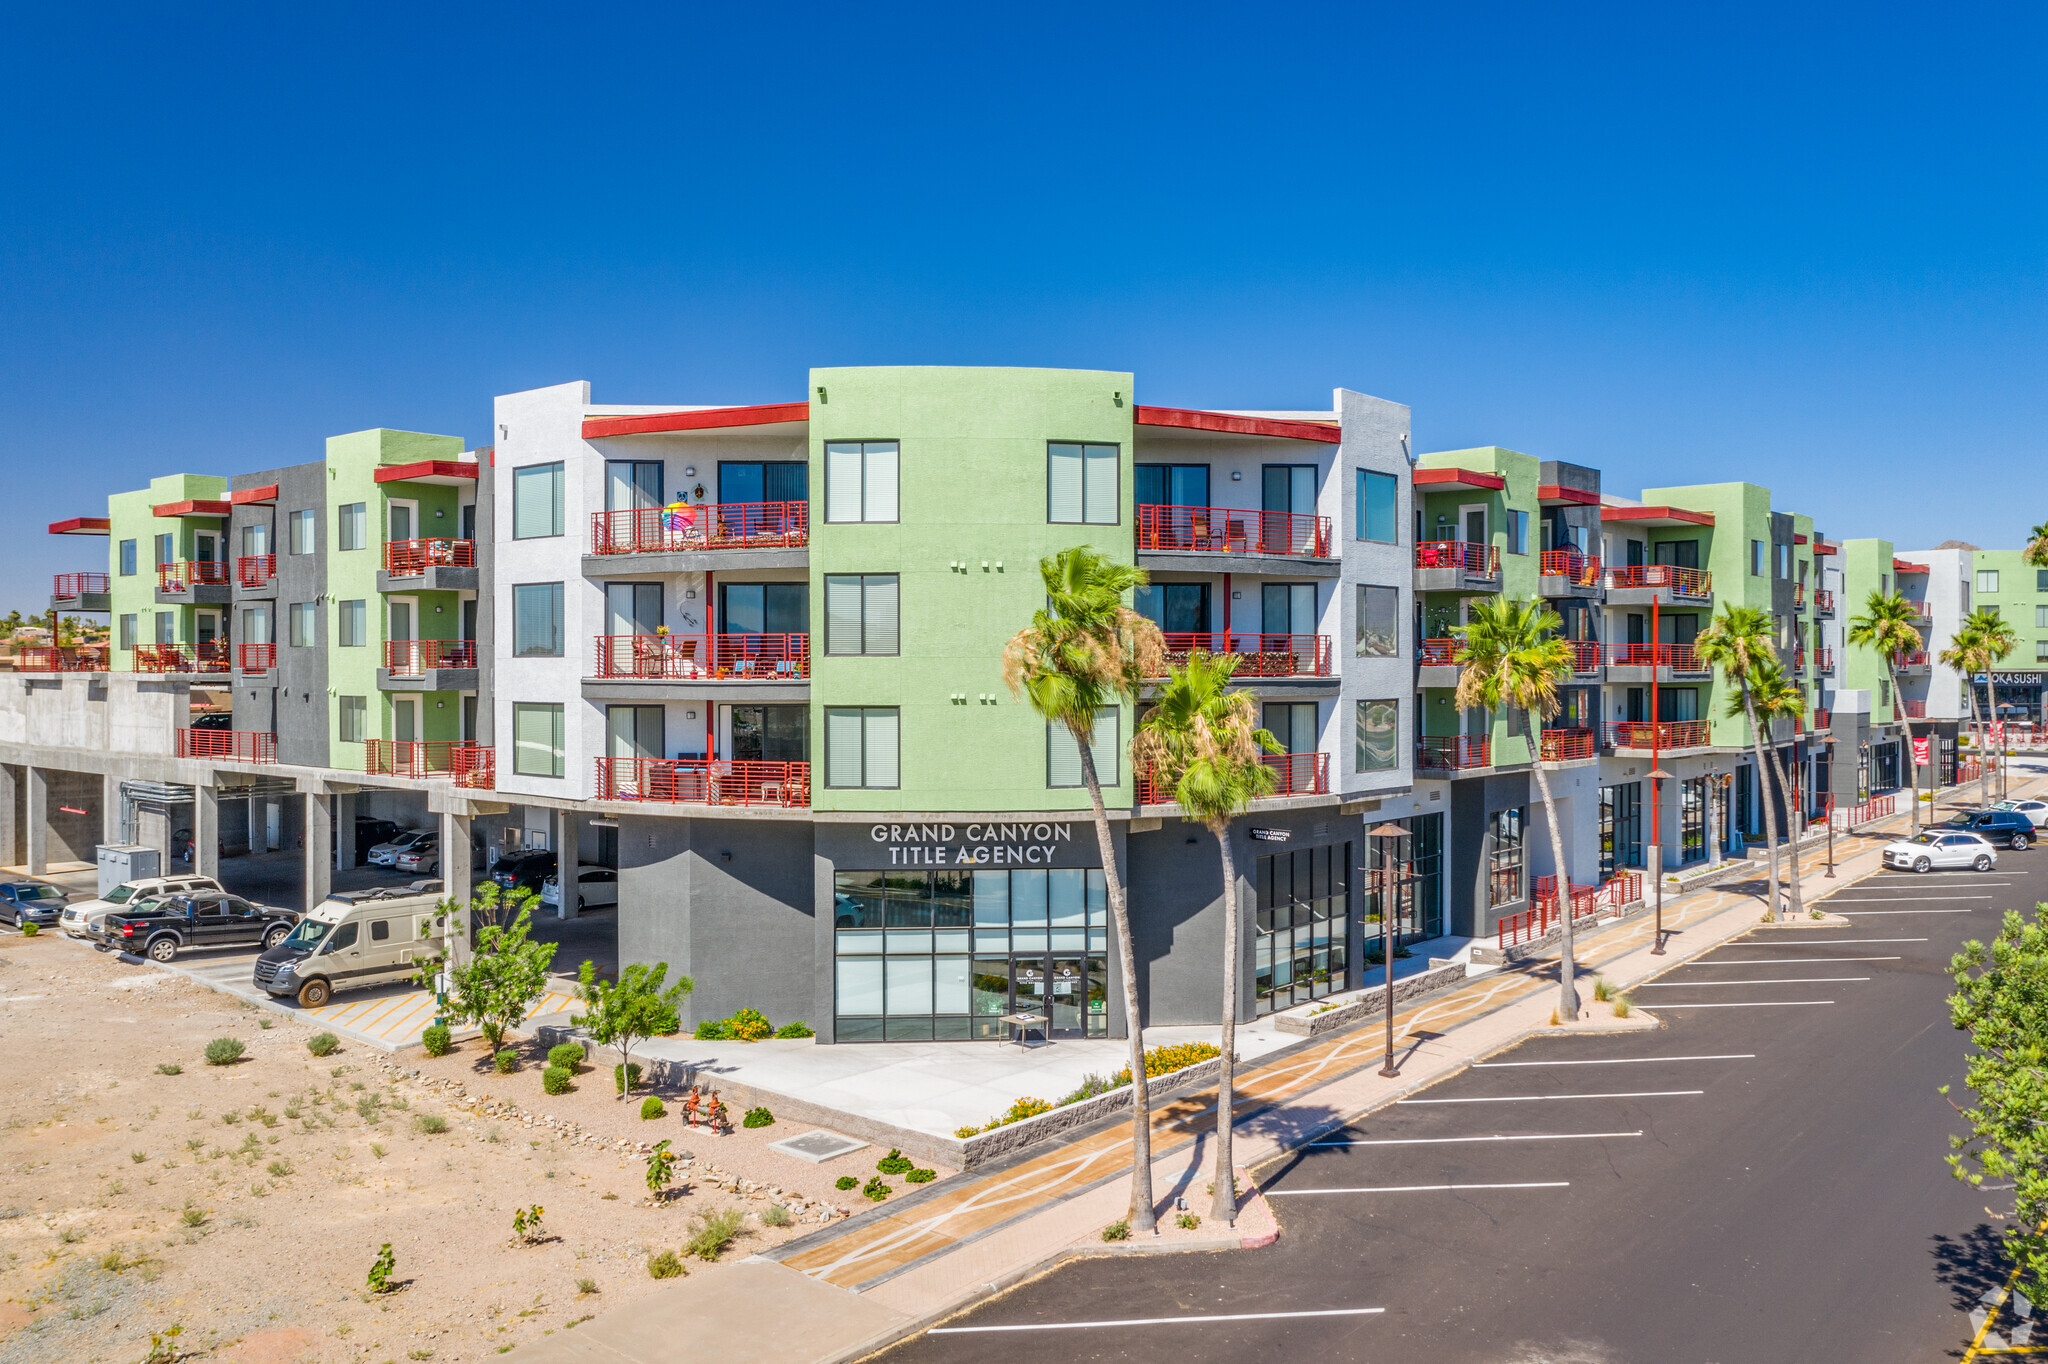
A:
2035	810
1934	848
82	918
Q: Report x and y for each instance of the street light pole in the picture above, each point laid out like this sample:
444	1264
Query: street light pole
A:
1386	838
1657	778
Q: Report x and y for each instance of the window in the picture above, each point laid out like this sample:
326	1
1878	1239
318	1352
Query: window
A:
753	481
1784	561
304	632
128	632
352	624
1987	581
861	747
1081	486
127	558
1377	497
353	532
166	628
537	501
1504	857
380	930
1176	608
537	620
1170	485
536	739
632	485
860	480
1518	532
1379	735
1379	621
302	530
1756	558
2040	650
1692	821
353	722
166	550
861	613
1063	755
2041	618
1302	923
1990	611
2041	580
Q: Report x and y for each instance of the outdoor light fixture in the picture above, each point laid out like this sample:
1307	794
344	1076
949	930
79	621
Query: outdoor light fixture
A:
1237	475
1387	832
821	393
690	471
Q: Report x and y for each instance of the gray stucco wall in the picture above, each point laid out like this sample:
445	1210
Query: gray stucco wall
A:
1473	800
296	708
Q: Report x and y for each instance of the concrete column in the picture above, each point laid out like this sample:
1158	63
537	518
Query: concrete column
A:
345	855
257	842
319	869
455	877
564	839
206	830
10	818
110	809
38	821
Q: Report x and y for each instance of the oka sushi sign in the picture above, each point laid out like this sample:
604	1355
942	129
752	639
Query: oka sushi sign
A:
1018	844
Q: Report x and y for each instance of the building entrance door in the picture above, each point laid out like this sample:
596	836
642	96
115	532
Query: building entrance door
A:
1069	994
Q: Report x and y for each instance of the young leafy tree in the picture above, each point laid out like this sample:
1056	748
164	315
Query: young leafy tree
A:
1775	696
1887	626
1206	739
629	1010
1515	659
2001	1001
496	986
1084	652
1738	642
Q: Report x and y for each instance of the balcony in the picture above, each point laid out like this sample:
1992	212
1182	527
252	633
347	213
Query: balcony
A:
1570	574
1917	612
1664	736
1634	662
209	657
1823	660
80	592
1567	745
1258	656
1913	661
705	781
428	566
1240	539
1456	566
1453	752
1294	774
228	745
1799	596
189	583
428	665
1799	660
1913	710
694	539
1439	662
1823	718
61	658
255	572
1642	584
1823	603
256	659
467	764
768	667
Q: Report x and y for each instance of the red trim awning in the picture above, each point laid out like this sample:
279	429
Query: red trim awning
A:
1230	423
1823	547
1901	566
190	507
455	471
1459	480
1798	539
81	525
244	497
1656	516
1551	494
705	419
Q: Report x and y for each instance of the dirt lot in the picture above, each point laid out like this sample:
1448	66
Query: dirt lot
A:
246	1203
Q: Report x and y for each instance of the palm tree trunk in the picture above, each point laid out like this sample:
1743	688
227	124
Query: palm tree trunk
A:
1224	1208
1763	784
1795	819
1983	741
1141	1216
1567	963
1899	709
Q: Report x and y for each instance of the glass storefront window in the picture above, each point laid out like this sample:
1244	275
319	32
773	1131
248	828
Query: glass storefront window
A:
1504	861
1302	925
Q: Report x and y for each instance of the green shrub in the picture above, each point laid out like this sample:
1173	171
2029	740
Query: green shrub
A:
758	1117
1187	1221
437	1040
895	1163
555	1080
506	1060
1177	1056
1118	1230
710	1030
433	1124
626	1077
29	930
775	1215
749	1025
224	1051
1603	989
875	1189
650	1107
1623	1006
919	1176
665	1266
169	1068
711	1233
323	1044
380	1272
845	1182
796	1029
567	1056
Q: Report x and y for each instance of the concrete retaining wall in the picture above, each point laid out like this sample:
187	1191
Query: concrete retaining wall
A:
1302	1023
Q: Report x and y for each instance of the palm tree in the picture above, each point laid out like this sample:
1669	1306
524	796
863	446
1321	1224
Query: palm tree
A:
1982	640
1084	652
1776	695
1206	737
1738	642
1887	626
1514	658
2036	552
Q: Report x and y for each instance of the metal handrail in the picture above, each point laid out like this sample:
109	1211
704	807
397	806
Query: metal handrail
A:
705	781
722	525
412	558
1232	530
745	657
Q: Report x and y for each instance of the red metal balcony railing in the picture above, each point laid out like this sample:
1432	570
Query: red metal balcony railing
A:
726	525
469	764
1473	559
257	658
765	658
702	781
210	657
1257	655
412	657
1823	660
183	577
1823	600
1912	658
231	745
1587	902
1585	655
1683	582
1663	734
1232	530
1294	774
64	658
1913	710
254	570
1679	658
1583	570
1799	596
1441	653
1451	752
69	586
1799	660
412	558
1822	717
1564	745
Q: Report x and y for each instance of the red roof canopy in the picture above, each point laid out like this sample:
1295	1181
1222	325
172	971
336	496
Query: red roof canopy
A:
190	507
1823	547
1657	516
1231	423
456	471
1455	480
81	525
243	497
1901	566
705	419
1558	492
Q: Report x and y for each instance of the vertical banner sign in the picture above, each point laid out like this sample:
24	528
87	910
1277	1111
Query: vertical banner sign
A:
1921	751
1998	731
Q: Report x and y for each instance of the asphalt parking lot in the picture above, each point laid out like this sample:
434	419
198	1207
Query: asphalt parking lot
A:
1761	1179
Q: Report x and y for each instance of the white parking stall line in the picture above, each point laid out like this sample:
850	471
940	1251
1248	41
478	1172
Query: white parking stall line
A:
1419	1188
1790	961
1547	1098
1859	913
1702	984
1613	1061
1816	942
1746	1004
1896	899
1455	1141
1153	1321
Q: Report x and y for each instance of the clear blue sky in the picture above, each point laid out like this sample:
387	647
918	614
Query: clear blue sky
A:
1799	246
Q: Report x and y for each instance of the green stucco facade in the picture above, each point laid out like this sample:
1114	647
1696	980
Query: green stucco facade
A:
2021	598
129	517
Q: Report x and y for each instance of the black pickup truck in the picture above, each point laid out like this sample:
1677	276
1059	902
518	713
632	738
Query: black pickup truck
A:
164	926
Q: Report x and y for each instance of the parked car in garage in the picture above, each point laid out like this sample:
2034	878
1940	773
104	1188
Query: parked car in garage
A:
596	887
527	870
1933	849
83	918
370	833
31	902
2006	828
422	856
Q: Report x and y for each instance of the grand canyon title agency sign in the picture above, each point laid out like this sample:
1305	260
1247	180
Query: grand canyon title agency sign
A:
980	845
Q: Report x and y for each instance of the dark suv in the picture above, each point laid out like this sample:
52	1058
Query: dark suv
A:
528	870
2006	828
